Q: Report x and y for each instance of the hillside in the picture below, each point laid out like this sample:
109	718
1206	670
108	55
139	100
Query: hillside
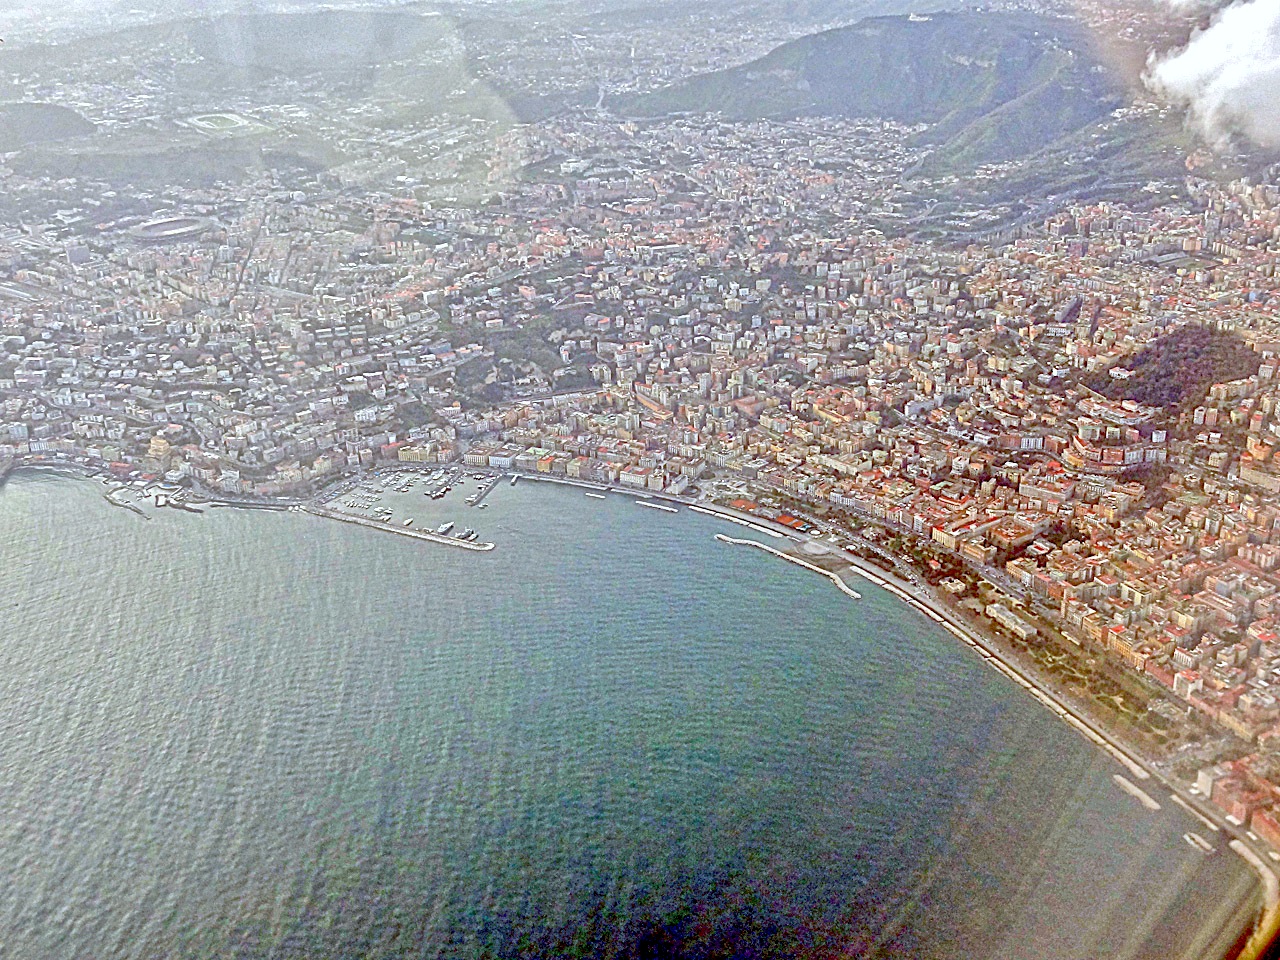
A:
395	70
991	87
1179	368
335	44
22	124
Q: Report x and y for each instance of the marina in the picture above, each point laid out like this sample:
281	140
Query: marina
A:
374	500
394	642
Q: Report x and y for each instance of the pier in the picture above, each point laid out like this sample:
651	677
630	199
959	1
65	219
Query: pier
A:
479	547
477	498
132	507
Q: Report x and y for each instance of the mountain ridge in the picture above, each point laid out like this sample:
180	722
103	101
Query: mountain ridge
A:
989	87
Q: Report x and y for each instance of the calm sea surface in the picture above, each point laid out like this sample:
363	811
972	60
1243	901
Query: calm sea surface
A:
249	734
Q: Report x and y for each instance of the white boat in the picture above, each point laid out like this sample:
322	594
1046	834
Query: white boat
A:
444	528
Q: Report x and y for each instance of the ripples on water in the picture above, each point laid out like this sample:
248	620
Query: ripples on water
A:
269	735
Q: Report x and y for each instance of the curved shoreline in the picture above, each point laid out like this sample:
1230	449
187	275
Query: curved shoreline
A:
1263	931
1266	928
732	519
834	577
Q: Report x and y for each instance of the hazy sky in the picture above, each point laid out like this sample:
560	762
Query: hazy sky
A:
1229	74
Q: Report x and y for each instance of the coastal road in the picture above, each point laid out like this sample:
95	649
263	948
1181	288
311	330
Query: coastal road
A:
1258	855
913	590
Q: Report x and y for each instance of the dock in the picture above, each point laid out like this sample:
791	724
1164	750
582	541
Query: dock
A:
477	498
477	546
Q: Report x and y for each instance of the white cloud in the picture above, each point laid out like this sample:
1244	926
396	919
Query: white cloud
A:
1228	74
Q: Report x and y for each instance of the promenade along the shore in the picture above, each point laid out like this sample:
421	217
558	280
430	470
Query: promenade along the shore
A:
1267	927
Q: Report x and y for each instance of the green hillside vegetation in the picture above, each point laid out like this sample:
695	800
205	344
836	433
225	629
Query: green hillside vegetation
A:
398	69
151	163
335	44
22	124
1178	369
1112	160
991	87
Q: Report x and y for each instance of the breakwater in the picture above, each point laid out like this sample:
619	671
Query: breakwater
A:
479	547
111	498
722	515
834	577
656	506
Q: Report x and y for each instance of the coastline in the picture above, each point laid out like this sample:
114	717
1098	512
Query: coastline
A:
1266	928
1263	930
474	546
404	586
83	471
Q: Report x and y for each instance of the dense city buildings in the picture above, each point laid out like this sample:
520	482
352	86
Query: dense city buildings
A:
1074	417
